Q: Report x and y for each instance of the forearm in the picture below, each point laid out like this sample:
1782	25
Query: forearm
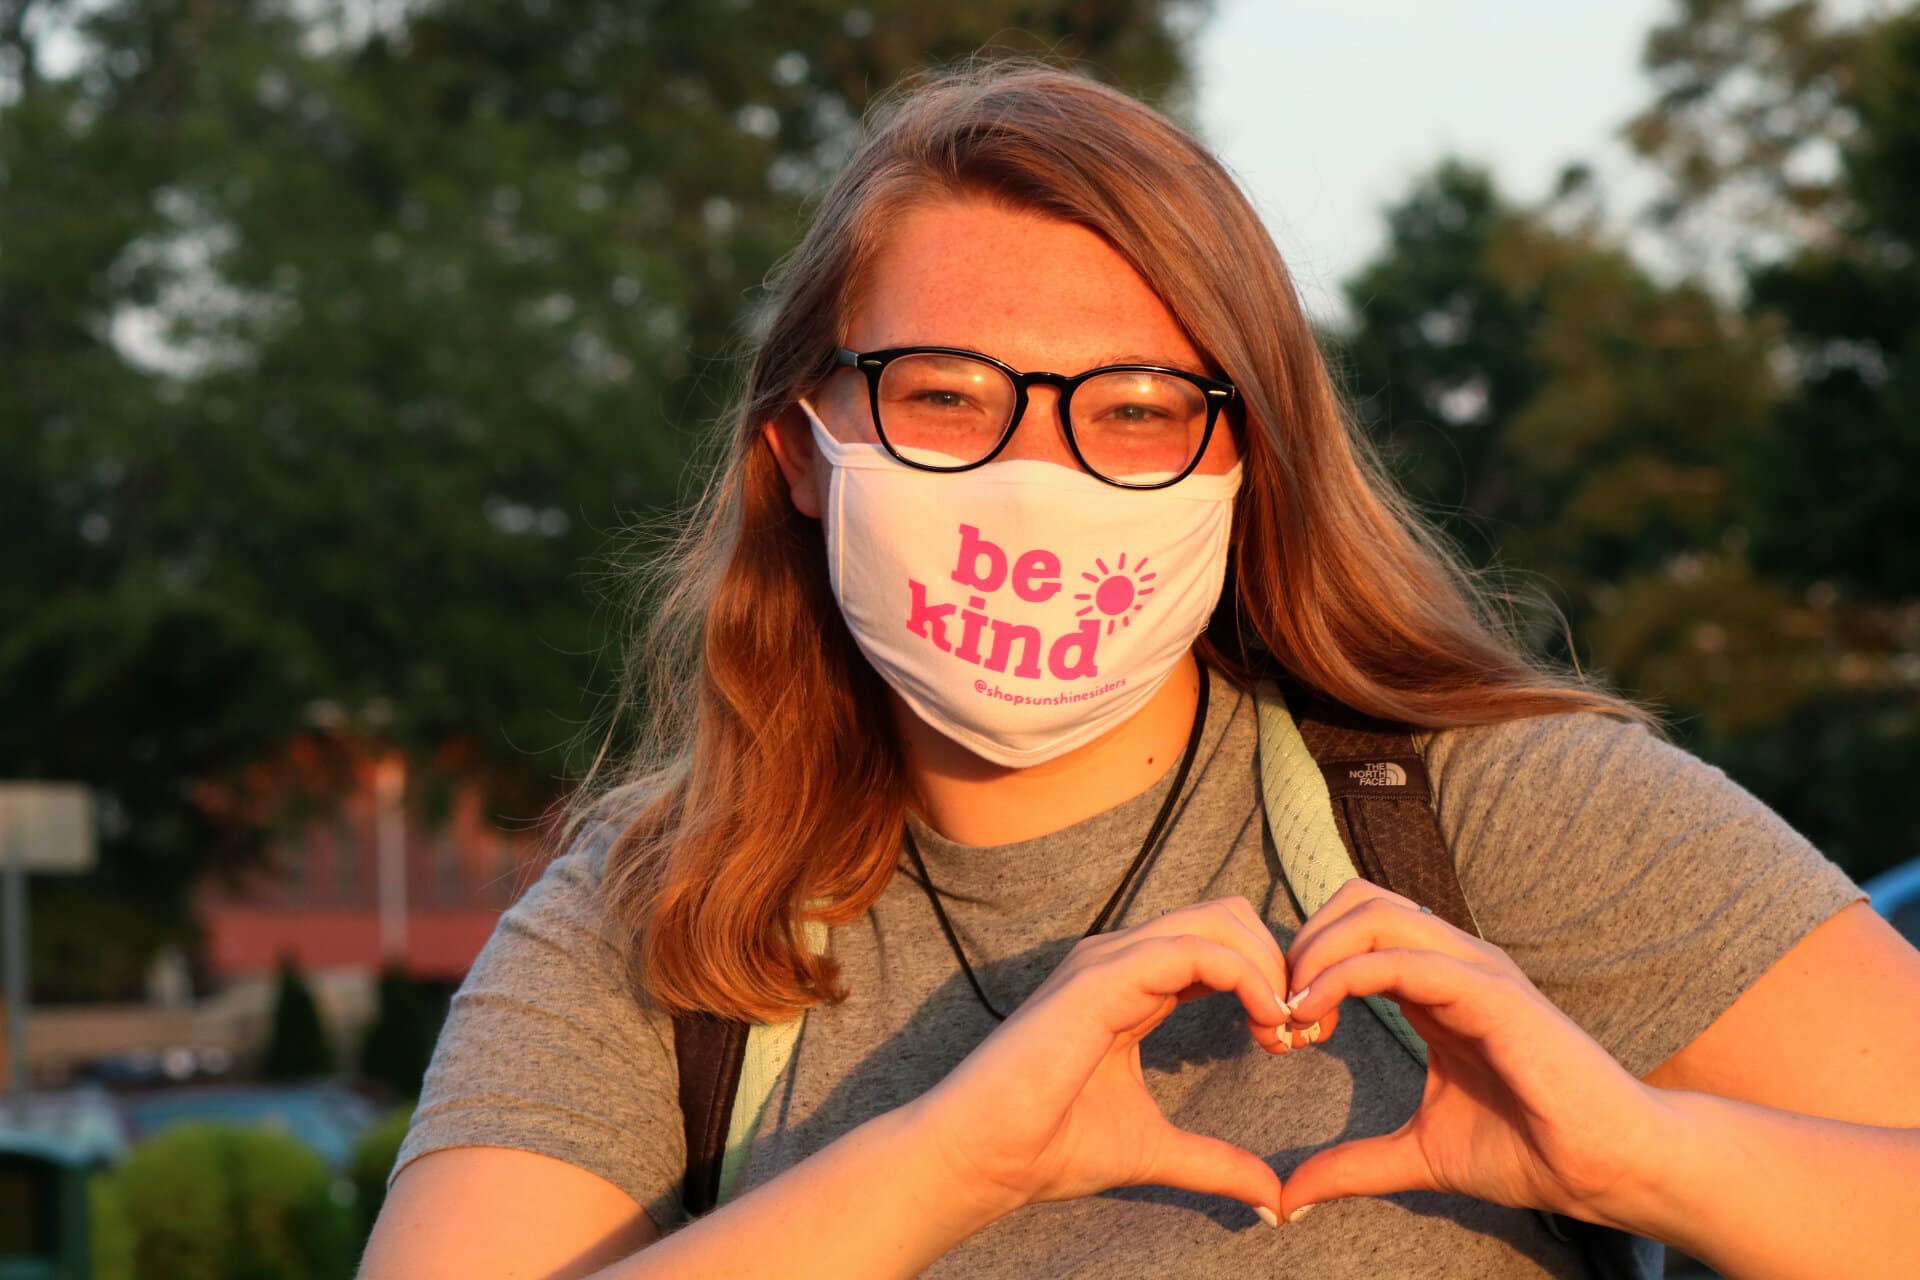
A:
1759	1194
875	1203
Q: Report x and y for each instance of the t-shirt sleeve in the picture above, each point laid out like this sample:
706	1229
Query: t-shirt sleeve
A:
546	1047
1640	888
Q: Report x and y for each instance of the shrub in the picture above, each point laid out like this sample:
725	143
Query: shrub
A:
373	1157
399	1044
110	1235
298	1047
227	1202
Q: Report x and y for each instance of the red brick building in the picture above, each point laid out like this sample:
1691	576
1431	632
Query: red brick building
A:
371	876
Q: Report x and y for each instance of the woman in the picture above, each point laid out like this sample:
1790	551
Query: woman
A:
1038	473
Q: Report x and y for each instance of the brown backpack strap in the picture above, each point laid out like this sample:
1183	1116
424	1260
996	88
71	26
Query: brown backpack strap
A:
1382	804
709	1052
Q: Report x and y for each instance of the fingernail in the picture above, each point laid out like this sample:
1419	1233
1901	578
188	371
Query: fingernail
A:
1286	1010
1313	1034
1301	1212
1267	1215
1293	1001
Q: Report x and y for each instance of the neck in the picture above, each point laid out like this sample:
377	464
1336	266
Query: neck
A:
973	801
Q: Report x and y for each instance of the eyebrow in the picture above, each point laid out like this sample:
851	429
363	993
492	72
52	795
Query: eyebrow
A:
1124	357
1149	358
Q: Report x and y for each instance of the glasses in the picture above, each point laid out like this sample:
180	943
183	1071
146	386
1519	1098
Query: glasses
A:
1138	426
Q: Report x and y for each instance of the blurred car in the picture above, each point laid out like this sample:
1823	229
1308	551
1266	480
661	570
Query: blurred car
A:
1896	895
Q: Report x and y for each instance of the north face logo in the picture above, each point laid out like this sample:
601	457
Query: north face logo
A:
1384	774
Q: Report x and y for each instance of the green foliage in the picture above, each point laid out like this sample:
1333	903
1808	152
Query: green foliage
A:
111	1241
1559	410
373	1157
225	1202
421	313
399	1043
1834	484
297	1046
1750	93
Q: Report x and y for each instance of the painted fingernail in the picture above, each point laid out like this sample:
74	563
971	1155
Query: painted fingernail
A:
1286	1010
1301	1212
1313	1034
1267	1215
1293	1001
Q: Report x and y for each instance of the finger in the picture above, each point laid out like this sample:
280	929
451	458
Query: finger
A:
1194	1162
1268	951
1464	998
1377	924
1349	895
1231	922
1305	1031
1353	896
1131	984
1364	1167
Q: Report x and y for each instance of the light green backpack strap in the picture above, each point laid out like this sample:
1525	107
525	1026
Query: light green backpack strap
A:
1299	814
769	1049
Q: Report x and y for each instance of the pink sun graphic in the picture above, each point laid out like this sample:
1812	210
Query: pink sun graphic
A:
1118	592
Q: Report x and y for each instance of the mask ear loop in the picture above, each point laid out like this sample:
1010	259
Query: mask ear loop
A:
822	437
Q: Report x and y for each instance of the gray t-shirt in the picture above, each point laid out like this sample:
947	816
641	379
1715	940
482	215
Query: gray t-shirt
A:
1637	886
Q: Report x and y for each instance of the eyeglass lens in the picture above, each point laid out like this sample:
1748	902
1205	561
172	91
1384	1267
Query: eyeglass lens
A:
1133	425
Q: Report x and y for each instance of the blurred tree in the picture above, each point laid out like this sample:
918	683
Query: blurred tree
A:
1750	106
1439	358
1714	494
338	337
399	1044
1829	491
1561	413
297	1044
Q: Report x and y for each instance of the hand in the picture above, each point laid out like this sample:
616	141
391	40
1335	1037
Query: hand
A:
1521	1106
1053	1104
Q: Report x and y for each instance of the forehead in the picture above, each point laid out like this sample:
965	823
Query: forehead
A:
1035	291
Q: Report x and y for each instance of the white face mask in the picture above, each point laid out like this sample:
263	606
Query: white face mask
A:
1022	608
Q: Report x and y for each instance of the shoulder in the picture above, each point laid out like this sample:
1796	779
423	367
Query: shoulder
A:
1638	885
569	891
1580	770
1583	741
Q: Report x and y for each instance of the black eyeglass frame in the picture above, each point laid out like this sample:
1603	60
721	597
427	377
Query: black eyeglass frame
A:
1218	394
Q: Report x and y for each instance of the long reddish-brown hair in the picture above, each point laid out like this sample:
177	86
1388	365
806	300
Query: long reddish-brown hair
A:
766	783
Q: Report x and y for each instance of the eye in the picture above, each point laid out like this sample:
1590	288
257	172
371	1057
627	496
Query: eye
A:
945	386
940	397
1137	399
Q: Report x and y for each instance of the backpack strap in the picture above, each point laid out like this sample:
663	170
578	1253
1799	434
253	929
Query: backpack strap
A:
728	1071
1314	848
709	1051
1383	804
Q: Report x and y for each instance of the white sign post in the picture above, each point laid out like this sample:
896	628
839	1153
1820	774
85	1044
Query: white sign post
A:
44	826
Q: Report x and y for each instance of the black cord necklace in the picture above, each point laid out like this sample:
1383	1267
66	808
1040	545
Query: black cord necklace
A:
1147	848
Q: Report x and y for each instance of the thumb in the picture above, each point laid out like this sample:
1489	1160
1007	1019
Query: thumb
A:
1196	1163
1363	1167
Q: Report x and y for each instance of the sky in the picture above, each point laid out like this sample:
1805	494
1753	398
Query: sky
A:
1326	111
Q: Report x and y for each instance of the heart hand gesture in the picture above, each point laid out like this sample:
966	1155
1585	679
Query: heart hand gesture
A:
1521	1106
